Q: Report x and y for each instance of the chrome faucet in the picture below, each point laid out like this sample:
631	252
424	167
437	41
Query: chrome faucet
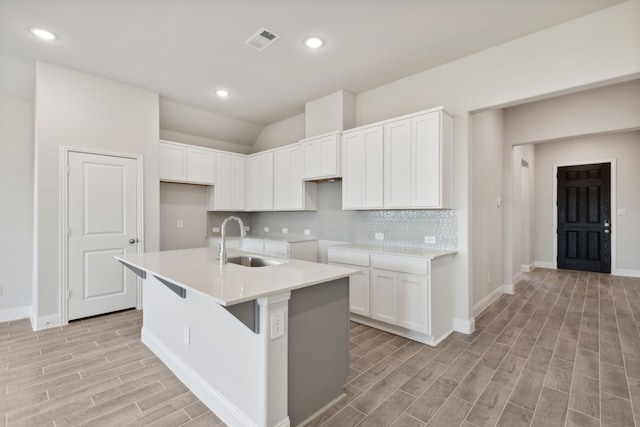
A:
222	256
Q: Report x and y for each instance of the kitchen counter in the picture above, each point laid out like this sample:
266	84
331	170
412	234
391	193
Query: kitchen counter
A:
397	250
199	270
248	341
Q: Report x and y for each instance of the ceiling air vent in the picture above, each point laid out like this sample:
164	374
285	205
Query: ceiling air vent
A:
262	39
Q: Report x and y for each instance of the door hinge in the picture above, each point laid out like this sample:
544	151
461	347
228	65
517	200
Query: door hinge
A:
68	170
68	294
556	231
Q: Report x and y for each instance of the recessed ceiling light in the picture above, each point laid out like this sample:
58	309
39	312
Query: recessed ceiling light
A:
43	34
222	93
313	42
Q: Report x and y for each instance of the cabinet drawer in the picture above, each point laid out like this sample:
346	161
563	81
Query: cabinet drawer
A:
348	257
400	263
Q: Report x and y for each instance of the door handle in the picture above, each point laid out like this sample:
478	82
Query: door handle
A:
607	231
607	223
132	241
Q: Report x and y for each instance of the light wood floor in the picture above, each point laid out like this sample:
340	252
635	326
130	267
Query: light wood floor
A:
564	350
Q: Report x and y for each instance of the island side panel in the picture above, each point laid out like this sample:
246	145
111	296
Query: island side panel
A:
221	360
318	347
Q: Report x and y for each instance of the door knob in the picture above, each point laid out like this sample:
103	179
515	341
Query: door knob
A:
132	241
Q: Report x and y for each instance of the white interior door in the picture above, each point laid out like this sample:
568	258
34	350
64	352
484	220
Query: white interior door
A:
102	213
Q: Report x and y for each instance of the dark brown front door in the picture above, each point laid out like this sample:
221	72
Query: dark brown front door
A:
584	217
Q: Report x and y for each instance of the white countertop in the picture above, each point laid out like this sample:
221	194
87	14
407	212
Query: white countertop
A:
199	270
397	250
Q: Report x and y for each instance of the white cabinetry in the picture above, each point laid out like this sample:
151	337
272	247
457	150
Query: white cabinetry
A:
417	158
228	192
359	287
185	163
407	295
305	250
362	154
290	192
259	182
321	157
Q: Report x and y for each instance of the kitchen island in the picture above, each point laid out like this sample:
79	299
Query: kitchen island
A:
260	346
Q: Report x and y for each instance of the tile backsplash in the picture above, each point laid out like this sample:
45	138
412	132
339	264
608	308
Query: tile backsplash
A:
330	222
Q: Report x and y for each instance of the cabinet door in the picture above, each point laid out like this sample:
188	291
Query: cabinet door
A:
397	164
362	183
384	296
228	192
425	135
172	162
282	179
353	174
236	187
413	302
320	158
359	293
201	166
259	184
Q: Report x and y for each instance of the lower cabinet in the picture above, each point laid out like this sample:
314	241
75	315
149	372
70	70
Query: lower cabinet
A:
406	295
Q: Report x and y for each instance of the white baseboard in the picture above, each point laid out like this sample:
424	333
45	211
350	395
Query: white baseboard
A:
321	410
626	273
485	302
15	313
508	289
215	401
45	322
544	264
527	268
464	326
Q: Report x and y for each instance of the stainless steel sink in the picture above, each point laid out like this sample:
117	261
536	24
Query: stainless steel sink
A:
254	261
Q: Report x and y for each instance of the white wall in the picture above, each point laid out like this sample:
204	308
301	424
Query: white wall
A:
607	109
625	148
187	203
486	189
16	192
592	50
184	138
281	133
184	119
83	110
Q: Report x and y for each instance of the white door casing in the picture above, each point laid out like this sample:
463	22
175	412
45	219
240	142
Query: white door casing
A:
103	211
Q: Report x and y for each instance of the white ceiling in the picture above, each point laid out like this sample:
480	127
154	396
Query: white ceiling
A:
185	49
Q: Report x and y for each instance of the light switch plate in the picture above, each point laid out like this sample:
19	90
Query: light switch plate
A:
307	232
622	211
379	236
266	229
285	230
179	223
430	239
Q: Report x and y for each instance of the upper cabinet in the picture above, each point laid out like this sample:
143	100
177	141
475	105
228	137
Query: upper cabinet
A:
228	193
290	192
415	165
259	182
321	157
362	157
185	163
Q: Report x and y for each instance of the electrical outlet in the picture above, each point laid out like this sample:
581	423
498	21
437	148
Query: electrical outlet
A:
247	228
429	239
277	324
307	232
379	236
215	229
622	211
285	230
187	335
179	223
266	229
